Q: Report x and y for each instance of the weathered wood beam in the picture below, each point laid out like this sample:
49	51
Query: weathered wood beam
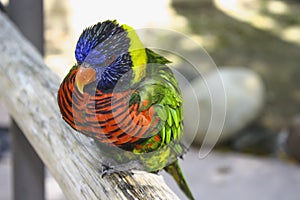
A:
28	88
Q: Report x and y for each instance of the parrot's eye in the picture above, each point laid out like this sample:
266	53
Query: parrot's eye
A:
110	59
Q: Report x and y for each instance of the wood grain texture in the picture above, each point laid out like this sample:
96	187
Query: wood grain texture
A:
29	88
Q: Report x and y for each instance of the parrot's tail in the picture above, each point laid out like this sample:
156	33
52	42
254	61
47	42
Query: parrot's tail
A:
175	171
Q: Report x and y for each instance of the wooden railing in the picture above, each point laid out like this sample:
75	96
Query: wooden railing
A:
29	88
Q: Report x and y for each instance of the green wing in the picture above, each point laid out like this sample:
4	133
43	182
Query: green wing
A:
160	91
153	57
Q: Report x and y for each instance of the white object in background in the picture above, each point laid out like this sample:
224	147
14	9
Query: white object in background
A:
244	91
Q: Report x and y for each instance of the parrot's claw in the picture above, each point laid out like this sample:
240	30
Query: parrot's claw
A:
155	172
106	170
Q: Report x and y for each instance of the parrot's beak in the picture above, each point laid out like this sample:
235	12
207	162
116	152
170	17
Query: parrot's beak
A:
84	76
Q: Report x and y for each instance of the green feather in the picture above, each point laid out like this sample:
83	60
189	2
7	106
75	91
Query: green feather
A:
168	134
175	117
169	116
161	112
174	131
175	171
153	57
179	131
163	134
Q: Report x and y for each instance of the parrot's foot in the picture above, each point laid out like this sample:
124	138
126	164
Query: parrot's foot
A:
155	172
107	170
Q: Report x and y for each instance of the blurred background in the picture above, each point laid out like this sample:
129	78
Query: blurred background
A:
255	44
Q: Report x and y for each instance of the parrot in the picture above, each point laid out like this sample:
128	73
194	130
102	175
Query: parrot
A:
125	97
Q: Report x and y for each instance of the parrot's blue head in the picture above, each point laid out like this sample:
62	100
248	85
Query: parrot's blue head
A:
107	54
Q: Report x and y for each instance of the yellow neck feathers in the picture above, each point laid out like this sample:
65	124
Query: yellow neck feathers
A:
138	54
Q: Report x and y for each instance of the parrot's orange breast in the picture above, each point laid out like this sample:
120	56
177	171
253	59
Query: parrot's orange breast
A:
107	118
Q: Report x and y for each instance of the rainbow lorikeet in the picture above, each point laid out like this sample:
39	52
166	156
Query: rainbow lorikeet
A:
125	97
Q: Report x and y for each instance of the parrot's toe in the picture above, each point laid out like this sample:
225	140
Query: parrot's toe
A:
106	170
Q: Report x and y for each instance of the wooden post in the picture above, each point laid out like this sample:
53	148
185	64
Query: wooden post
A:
28	169
28	16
